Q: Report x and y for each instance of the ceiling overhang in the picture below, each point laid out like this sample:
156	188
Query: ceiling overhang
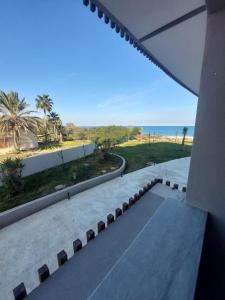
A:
171	34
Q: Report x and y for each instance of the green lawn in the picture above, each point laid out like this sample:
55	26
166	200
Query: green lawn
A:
43	183
138	154
43	148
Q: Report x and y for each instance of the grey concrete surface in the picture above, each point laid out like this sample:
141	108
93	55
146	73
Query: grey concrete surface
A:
163	260
33	241
15	214
206	184
215	5
85	270
166	192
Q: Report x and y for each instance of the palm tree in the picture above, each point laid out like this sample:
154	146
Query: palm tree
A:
14	118
185	130
56	122
45	103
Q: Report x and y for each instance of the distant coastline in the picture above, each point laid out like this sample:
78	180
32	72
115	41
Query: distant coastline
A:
169	131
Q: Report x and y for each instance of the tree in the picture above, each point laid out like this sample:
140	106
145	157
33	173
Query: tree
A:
45	103
185	130
116	134
14	118
72	132
56	123
135	131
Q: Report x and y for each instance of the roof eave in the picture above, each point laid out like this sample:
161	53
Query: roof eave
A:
104	13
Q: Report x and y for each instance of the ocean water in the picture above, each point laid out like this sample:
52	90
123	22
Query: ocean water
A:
161	130
167	130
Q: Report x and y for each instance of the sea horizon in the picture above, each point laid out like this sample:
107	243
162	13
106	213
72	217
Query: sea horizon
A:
163	130
167	130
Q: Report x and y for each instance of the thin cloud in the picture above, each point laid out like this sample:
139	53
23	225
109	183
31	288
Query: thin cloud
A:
118	101
130	99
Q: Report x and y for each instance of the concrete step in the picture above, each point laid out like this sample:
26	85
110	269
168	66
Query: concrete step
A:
167	192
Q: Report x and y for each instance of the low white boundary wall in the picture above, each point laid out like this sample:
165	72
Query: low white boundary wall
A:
15	214
38	163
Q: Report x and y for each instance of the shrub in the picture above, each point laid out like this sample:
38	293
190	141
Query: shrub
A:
107	156
11	175
82	172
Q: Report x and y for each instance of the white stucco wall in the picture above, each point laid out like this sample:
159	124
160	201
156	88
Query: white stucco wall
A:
38	163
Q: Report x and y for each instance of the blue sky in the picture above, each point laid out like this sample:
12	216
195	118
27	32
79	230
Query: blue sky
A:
93	76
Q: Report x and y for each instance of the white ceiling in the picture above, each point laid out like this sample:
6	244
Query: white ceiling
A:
180	48
144	16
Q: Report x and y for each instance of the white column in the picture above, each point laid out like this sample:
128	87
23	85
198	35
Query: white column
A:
206	184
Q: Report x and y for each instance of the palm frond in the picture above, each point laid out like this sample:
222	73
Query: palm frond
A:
14	117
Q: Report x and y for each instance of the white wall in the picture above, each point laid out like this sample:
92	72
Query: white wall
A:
38	163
